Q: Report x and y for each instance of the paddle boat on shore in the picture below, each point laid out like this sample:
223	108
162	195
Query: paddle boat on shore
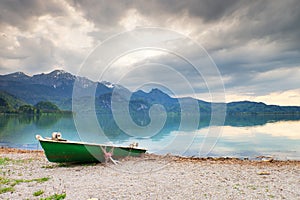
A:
61	150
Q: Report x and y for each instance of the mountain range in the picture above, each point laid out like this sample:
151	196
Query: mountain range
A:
57	87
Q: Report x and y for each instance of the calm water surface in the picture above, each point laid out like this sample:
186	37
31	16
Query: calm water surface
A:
241	137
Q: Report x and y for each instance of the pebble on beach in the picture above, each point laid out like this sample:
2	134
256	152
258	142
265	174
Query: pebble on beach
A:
148	177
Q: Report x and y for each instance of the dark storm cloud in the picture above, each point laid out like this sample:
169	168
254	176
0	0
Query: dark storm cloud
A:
272	21
245	38
21	14
206	9
101	12
109	13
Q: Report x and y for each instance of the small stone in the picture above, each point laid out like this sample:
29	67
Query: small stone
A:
263	173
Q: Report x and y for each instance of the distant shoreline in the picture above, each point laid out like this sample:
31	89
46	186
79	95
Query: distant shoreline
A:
62	112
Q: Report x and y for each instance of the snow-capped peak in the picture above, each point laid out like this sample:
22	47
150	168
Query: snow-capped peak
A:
18	74
108	84
58	72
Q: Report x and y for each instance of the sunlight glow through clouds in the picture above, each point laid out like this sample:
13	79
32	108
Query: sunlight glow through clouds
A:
137	56
133	19
71	31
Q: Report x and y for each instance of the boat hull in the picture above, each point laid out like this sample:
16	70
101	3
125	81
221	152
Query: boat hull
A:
72	152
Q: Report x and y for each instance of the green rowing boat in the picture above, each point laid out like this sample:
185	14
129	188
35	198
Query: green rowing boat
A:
63	151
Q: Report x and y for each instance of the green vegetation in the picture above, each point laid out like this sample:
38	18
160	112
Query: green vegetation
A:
41	180
43	107
4	161
46	106
14	182
38	193
27	109
55	197
4	180
11	104
49	166
6	189
5	107
7	185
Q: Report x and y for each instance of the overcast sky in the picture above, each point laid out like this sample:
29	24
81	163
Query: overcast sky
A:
255	45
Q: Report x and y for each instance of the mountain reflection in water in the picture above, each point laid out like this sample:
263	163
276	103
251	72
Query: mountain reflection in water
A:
240	136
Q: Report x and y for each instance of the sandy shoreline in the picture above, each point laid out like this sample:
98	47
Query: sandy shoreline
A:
148	177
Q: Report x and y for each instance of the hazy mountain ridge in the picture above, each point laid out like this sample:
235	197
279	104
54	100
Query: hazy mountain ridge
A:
57	87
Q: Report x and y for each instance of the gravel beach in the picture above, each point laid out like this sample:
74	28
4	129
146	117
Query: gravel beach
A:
28	175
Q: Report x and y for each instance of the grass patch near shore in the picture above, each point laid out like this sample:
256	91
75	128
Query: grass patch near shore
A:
38	180
41	180
20	161
55	197
48	166
4	160
4	181
7	185
38	193
6	189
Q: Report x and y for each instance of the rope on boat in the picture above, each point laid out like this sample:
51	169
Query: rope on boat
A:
108	155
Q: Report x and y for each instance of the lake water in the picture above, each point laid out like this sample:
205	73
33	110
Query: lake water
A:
242	137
